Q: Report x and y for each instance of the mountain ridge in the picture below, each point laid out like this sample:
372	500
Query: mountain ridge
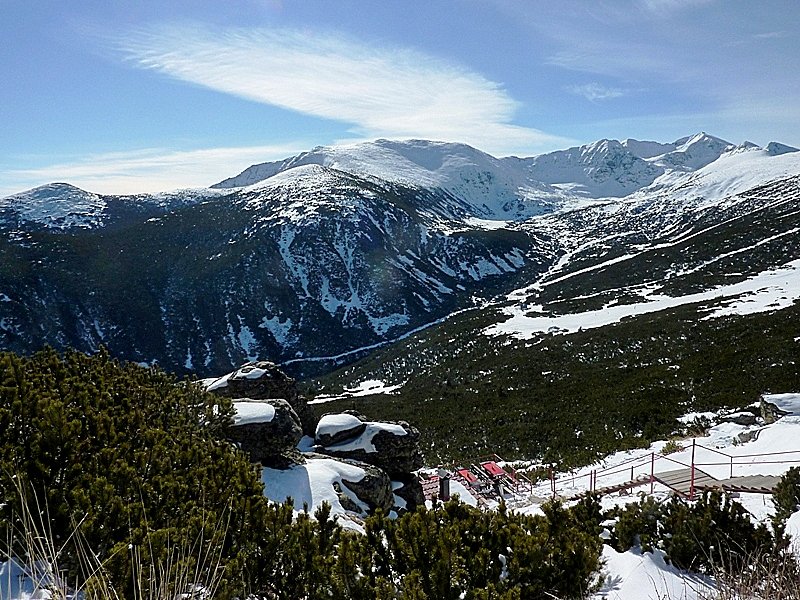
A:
318	261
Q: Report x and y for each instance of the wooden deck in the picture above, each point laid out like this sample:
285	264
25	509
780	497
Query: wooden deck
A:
750	484
680	480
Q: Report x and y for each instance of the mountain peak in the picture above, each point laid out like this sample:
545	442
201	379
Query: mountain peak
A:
776	149
56	205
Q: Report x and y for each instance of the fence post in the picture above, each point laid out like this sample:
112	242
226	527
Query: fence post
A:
731	467
553	481
652	470
691	483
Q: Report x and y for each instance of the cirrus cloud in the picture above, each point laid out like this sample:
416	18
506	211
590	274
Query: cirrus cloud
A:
379	91
595	91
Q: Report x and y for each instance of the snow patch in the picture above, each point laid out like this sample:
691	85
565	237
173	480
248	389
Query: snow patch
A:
637	575
332	424
365	388
312	484
252	411
364	441
280	330
770	290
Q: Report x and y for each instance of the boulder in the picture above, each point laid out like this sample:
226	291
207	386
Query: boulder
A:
747	436
265	429
374	490
743	418
770	412
336	428
263	380
409	489
394	447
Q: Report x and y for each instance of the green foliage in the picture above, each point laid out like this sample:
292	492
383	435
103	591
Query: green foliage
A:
671	447
136	460
569	399
639	524
132	455
787	495
456	551
711	533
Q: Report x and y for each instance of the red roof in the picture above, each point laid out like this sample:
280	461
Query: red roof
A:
468	475
493	468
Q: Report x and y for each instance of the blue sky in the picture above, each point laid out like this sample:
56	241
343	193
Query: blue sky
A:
118	96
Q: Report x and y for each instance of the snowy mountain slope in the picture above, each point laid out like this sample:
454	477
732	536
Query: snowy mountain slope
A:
512	188
56	205
602	169
64	207
694	152
647	149
312	262
486	186
313	259
648	300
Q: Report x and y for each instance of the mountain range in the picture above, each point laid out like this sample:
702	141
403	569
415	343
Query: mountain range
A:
321	258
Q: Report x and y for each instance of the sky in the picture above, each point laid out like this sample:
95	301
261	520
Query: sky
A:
117	96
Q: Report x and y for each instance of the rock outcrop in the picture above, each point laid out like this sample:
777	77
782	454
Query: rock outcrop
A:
409	490
263	380
369	464
394	447
265	429
374	490
770	411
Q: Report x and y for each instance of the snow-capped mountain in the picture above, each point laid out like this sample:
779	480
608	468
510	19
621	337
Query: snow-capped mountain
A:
345	248
55	205
482	185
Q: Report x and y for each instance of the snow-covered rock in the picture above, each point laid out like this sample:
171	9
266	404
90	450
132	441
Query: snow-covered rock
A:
348	487
394	447
336	428
263	380
265	429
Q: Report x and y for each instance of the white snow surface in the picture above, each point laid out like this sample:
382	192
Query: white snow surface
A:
312	484
252	411
332	424
215	383
634	575
770	290
493	187
364	441
365	388
733	172
458	488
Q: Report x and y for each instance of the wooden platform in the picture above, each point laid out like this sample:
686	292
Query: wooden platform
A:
680	480
750	484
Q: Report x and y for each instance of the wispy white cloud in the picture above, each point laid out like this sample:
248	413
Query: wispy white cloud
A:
662	7
148	170
379	91
770	35
596	92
